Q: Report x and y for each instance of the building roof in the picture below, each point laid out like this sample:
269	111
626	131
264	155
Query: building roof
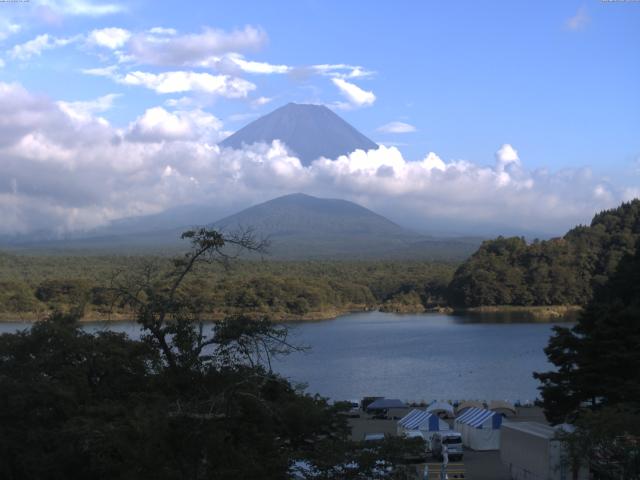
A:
538	429
385	403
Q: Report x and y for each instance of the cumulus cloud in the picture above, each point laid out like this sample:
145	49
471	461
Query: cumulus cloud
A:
85	110
64	171
36	46
187	81
112	37
158	48
396	127
357	96
578	21
159	125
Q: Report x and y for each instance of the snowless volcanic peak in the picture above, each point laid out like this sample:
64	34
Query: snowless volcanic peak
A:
309	131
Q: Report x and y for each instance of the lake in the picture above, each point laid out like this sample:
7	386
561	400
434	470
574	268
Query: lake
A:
410	356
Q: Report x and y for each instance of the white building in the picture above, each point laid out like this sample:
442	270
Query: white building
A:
531	451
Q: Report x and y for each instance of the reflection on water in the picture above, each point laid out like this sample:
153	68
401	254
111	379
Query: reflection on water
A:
410	356
514	316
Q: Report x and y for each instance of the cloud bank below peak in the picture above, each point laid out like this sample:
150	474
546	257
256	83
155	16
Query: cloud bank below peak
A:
65	169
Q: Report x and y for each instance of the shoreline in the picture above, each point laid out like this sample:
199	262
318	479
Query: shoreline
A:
537	313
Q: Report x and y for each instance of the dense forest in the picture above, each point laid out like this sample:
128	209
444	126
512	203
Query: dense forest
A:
560	271
33	286
504	271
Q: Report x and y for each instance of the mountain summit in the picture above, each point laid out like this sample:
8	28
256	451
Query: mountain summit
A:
310	132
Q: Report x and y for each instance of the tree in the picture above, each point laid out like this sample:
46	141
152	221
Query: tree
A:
596	383
598	359
183	402
560	271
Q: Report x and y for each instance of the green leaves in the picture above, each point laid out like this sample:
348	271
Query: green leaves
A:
561	271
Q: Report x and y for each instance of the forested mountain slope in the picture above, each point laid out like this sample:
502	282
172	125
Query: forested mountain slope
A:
560	271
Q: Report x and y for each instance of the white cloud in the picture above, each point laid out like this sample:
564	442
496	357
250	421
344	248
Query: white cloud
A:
579	21
257	67
507	155
260	101
158	125
81	7
84	110
110	71
40	43
356	96
158	48
396	127
111	37
8	28
163	31
2	63
187	81
342	70
66	171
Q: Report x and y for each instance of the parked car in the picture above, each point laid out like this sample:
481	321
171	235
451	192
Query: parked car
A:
453	441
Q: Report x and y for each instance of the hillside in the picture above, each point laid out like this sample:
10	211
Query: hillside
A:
303	214
560	271
300	226
310	132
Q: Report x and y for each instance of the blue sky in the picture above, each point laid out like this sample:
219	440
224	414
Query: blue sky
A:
556	81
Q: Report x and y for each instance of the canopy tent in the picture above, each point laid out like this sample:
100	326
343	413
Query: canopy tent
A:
421	420
462	406
385	404
505	408
480	428
441	407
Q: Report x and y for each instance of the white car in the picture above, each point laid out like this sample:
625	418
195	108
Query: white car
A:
453	441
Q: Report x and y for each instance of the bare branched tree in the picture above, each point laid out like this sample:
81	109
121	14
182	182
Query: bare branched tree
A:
171	320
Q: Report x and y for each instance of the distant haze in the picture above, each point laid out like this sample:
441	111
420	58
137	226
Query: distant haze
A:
298	226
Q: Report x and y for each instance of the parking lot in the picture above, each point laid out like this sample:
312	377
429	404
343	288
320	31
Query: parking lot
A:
474	466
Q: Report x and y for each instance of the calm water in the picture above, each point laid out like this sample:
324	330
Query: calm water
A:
411	357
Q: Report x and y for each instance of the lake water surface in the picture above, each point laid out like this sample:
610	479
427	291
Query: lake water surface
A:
410	356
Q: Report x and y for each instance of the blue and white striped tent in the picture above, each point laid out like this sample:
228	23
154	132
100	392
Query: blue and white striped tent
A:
477	417
480	428
421	420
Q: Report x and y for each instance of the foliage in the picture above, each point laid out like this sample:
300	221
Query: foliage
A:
607	442
561	271
598	359
596	382
181	403
279	289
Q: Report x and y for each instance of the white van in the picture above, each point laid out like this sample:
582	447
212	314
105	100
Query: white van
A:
453	441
